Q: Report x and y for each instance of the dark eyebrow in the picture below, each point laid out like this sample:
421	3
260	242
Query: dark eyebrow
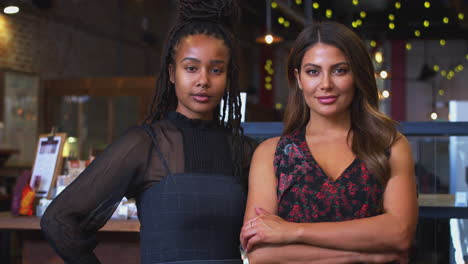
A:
199	61
190	59
333	66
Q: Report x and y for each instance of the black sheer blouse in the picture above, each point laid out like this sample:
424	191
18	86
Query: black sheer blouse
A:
126	168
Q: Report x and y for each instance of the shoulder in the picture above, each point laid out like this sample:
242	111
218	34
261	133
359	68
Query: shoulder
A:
267	148
401	154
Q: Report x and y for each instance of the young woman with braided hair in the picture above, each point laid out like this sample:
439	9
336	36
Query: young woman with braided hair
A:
183	165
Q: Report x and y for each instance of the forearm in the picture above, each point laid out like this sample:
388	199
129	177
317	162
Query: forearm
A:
382	233
298	254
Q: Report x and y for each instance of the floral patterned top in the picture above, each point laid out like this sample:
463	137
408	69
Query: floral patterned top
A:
306	194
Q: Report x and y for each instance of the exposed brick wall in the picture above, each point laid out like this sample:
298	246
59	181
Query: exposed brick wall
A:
84	38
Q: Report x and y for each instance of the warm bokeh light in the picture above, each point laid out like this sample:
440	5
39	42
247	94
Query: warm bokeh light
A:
363	14
459	68
417	33
427	4
355	2
286	24
433	115
383	74
279	106
274	4
328	13
441	92
378	56
391	25
354	24
436	67
443	73
442	42
426	23
298	2
397	5
408	46
385	94
461	16
269	39
315	5
445	20
391	17
281	20
373	44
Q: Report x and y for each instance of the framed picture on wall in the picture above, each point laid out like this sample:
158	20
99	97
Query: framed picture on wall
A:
19	114
47	164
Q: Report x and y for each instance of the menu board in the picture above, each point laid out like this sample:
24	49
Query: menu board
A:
47	164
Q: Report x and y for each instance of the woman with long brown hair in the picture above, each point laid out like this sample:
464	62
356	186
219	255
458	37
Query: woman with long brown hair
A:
338	186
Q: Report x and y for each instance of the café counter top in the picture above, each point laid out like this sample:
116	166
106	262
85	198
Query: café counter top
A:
7	221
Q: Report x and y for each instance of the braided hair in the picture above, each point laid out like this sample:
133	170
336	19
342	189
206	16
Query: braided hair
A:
215	18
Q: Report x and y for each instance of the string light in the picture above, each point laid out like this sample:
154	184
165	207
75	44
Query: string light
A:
385	93
441	92
279	106
355	2
427	4
408	46
373	44
281	20
378	56
286	24
426	23
436	68
442	42
461	16
391	17
363	14
274	4
433	115
391	25
459	68
445	20
354	24
417	33
328	13
298	2
383	74
359	22
269	39
315	5
443	73
397	5
466	56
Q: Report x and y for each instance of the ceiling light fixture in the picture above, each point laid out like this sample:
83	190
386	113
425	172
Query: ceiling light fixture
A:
11	9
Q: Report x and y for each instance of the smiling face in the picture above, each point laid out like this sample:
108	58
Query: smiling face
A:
327	81
199	74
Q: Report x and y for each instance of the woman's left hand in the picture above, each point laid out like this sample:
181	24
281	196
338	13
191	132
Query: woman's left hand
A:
266	228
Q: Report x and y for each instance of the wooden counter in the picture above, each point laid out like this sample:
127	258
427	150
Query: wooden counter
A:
119	240
7	221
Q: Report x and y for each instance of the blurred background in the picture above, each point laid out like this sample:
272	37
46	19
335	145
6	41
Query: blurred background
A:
87	68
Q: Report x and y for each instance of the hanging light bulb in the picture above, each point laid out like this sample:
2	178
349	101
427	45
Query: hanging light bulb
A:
269	38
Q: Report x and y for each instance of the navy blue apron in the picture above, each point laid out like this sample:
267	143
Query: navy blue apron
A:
191	217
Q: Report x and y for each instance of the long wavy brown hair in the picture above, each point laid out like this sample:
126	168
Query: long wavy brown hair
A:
373	133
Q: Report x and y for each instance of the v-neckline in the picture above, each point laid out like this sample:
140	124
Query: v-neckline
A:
313	160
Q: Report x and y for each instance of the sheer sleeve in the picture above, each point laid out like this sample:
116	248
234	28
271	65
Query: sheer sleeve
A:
71	221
